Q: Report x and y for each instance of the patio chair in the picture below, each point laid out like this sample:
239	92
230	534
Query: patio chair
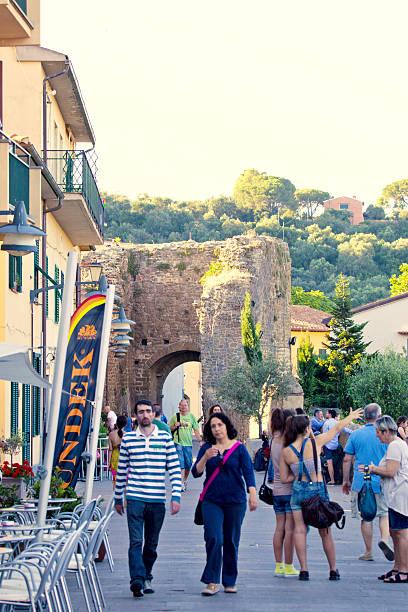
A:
29	584
83	564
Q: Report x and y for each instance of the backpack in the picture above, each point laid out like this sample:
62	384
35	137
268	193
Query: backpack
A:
367	504
259	460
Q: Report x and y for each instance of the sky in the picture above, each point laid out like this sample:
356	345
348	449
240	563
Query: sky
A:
185	95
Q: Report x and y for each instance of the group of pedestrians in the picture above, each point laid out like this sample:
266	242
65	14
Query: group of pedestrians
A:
147	452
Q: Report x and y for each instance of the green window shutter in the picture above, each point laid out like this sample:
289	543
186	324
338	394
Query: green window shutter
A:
19	273
12	271
62	283
46	284
26	422
36	397
57	296
36	263
14	409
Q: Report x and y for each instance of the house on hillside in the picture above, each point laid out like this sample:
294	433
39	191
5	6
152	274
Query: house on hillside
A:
43	119
306	321
347	204
387	323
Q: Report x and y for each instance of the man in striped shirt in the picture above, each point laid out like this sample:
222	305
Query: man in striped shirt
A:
144	456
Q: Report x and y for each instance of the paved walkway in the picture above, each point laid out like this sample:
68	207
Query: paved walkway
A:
181	559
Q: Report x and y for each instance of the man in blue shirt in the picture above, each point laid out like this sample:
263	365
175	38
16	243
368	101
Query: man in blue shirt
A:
366	448
333	451
317	421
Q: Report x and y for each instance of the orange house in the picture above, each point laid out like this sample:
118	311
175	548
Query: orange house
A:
351	205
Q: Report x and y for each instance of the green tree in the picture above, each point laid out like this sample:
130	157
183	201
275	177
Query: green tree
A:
251	333
395	195
375	213
346	343
310	200
382	378
245	386
314	299
399	284
306	369
260	193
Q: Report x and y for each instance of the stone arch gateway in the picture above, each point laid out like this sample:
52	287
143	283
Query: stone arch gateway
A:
182	317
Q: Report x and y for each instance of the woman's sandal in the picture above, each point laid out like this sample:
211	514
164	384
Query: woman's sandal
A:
388	574
397	578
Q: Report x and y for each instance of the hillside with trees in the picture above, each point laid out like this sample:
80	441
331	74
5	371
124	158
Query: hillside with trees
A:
322	246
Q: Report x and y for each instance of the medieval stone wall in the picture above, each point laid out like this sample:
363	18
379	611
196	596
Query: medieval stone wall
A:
179	319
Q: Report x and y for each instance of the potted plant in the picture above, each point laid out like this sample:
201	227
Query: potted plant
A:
16	474
8	496
58	491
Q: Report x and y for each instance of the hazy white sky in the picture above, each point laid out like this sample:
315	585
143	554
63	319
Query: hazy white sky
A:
184	95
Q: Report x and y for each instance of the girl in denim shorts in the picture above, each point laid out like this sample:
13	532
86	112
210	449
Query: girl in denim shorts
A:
283	538
297	466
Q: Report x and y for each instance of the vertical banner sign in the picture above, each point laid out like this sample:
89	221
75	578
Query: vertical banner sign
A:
78	389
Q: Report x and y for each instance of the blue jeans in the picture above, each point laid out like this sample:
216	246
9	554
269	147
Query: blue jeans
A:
222	531
143	515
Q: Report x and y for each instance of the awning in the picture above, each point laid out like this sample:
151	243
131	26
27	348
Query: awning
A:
15	365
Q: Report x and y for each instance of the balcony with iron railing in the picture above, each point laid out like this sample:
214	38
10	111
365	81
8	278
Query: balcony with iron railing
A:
14	22
83	210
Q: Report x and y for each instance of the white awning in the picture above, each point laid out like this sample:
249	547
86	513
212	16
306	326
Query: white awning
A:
15	365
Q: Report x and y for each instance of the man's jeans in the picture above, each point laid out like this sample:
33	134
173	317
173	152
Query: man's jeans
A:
149	516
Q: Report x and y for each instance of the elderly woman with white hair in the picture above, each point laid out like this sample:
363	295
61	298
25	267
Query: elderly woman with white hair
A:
393	470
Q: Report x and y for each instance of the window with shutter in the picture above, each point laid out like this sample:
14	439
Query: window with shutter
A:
36	397
57	296
46	284
26	422
14	409
36	263
16	273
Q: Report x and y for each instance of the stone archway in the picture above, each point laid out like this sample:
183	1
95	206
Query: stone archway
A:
163	362
186	299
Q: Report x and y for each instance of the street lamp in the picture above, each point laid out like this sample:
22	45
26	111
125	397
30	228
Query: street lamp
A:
121	324
95	271
19	237
122	340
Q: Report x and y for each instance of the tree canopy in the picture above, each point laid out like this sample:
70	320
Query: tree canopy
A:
399	284
310	200
395	194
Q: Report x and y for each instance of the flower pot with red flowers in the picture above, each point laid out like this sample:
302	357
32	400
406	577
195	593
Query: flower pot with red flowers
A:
16	474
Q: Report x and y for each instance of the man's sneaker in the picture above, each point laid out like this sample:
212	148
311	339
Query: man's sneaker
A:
183	487
147	589
367	556
387	550
137	589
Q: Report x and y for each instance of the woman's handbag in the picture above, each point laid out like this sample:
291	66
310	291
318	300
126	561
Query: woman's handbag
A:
198	514
265	493
367	504
318	512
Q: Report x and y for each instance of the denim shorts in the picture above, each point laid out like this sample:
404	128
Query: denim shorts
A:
185	455
304	490
328	452
281	504
396	520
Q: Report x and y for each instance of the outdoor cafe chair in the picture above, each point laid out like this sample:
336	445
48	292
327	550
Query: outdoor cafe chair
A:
72	521
31	584
83	564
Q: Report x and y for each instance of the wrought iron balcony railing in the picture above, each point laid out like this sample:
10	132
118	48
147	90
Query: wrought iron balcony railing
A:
73	173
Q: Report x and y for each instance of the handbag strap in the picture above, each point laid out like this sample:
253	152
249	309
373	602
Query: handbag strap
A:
217	470
302	467
313	441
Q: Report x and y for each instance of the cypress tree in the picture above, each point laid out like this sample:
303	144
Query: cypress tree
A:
251	333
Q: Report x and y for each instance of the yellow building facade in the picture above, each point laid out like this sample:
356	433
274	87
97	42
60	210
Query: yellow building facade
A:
43	118
306	322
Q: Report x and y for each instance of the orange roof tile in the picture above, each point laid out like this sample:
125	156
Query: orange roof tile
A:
305	318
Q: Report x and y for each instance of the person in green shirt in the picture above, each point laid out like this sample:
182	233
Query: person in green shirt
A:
157	418
182	430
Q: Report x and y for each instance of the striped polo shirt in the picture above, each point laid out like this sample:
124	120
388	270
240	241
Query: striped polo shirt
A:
142	467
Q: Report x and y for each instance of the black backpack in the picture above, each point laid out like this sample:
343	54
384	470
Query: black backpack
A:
259	460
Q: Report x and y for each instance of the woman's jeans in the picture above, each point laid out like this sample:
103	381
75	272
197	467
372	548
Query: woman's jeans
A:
222	531
148	517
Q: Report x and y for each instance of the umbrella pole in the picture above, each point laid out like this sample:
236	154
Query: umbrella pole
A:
53	413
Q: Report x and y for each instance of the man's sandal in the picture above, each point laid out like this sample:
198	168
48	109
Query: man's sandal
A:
397	578
388	574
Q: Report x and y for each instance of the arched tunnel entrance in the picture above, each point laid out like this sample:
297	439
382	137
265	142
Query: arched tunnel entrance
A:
161	366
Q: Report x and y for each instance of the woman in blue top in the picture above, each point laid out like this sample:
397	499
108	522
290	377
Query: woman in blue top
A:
224	503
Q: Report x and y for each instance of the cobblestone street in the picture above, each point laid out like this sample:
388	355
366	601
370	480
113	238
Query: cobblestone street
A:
181	560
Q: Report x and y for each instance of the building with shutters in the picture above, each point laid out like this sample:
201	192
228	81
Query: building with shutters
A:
308	323
43	118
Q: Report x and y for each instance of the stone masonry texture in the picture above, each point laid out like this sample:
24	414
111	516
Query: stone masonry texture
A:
180	319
